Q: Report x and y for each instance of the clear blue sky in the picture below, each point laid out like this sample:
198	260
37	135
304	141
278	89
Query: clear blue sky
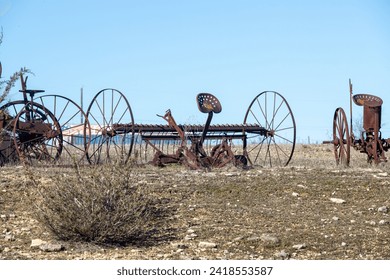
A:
162	53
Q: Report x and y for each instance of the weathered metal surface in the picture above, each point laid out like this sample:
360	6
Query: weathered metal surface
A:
370	140
38	129
193	155
149	131
31	132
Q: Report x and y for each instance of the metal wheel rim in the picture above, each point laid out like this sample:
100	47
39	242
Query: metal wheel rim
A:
107	108
341	139
270	110
42	149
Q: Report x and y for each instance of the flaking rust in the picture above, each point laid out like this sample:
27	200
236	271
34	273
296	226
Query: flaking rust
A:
33	133
370	141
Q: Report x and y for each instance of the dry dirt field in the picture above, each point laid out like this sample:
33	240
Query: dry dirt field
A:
311	209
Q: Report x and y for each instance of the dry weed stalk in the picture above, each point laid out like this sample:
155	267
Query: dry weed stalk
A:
9	84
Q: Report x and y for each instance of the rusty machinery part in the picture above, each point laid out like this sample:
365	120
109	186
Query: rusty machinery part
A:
108	108
208	103
374	147
33	132
273	145
370	142
166	140
367	99
266	138
341	138
75	127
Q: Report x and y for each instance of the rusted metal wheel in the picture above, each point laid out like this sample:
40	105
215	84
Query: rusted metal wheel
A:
35	133
275	144
341	139
112	127
75	127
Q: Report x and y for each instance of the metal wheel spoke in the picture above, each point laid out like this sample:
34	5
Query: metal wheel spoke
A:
284	138
255	117
275	113
277	151
282	121
285	128
114	109
264	113
261	147
267	153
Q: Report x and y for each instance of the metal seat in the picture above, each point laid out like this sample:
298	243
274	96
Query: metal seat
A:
367	99
32	91
208	103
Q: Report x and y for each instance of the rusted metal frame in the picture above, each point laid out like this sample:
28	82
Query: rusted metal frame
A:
373	143
204	132
378	147
386	144
370	142
350	110
160	157
191	138
222	154
195	129
149	132
35	128
172	123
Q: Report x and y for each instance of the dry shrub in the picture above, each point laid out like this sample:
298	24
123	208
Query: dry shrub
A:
102	204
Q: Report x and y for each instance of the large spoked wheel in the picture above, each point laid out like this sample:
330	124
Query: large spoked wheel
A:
112	128
341	139
75	127
274	144
36	133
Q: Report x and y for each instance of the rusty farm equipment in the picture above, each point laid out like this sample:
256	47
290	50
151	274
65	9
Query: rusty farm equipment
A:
266	137
370	141
41	129
53	129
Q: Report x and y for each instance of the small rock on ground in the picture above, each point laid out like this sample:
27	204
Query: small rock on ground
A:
337	200
269	238
204	244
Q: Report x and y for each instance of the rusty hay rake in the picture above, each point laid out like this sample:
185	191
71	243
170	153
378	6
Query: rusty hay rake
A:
52	129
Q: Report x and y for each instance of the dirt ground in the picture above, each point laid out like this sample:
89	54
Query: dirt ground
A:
311	209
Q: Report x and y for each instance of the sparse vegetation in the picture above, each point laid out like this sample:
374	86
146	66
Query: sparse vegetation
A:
311	209
103	204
